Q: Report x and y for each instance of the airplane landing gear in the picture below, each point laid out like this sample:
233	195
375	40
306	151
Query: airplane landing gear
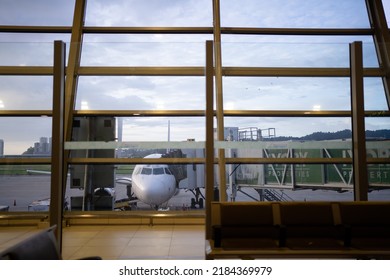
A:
197	202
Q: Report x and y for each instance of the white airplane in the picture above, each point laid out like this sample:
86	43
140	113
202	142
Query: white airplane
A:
153	184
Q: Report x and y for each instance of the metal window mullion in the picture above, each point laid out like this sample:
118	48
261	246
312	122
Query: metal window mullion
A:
72	75
57	186
209	153
219	98
73	64
358	127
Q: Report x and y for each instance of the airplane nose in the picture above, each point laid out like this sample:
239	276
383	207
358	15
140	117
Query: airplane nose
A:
154	192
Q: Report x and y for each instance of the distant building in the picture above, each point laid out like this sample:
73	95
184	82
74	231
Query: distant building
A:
43	147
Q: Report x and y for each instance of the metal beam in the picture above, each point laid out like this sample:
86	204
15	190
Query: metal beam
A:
297	31
209	168
358	128
192	71
57	189
72	75
73	64
219	98
194	113
295	72
26	70
74	160
382	41
25	113
190	30
141	113
35	29
23	161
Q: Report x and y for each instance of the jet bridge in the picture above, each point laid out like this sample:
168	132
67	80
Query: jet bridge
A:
97	181
337	177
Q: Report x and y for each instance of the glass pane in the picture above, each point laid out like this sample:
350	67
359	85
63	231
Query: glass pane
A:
297	128
120	195
25	38
284	13
386	7
378	128
156	129
143	54
284	54
294	51
150	13
56	12
374	94
141	93
26	136
25	191
26	54
284	93
26	92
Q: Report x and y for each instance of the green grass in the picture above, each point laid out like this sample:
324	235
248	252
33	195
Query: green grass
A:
22	169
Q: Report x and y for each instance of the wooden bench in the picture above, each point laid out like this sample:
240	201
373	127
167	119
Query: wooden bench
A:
367	225
248	230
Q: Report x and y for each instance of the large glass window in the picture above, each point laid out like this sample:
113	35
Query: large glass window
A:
38	13
294	14
153	13
152	87
26	135
26	92
286	93
141	93
143	54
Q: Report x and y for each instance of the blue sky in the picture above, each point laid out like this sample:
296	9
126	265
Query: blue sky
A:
188	50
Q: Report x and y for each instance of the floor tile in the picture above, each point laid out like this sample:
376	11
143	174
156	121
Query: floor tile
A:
113	242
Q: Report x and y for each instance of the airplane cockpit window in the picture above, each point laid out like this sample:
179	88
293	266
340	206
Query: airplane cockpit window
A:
146	171
167	171
158	171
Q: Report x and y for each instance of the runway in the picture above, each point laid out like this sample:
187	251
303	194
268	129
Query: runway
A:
18	192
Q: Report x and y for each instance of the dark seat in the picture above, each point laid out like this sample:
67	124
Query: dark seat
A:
367	224
40	246
246	226
309	226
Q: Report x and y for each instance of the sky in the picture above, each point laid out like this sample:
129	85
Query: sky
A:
173	93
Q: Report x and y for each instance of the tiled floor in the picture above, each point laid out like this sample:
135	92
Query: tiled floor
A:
122	242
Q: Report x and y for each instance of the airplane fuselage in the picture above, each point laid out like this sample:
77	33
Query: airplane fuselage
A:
153	184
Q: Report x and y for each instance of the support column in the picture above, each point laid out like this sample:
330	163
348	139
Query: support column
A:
219	99
72	73
73	64
209	168
359	153
58	177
